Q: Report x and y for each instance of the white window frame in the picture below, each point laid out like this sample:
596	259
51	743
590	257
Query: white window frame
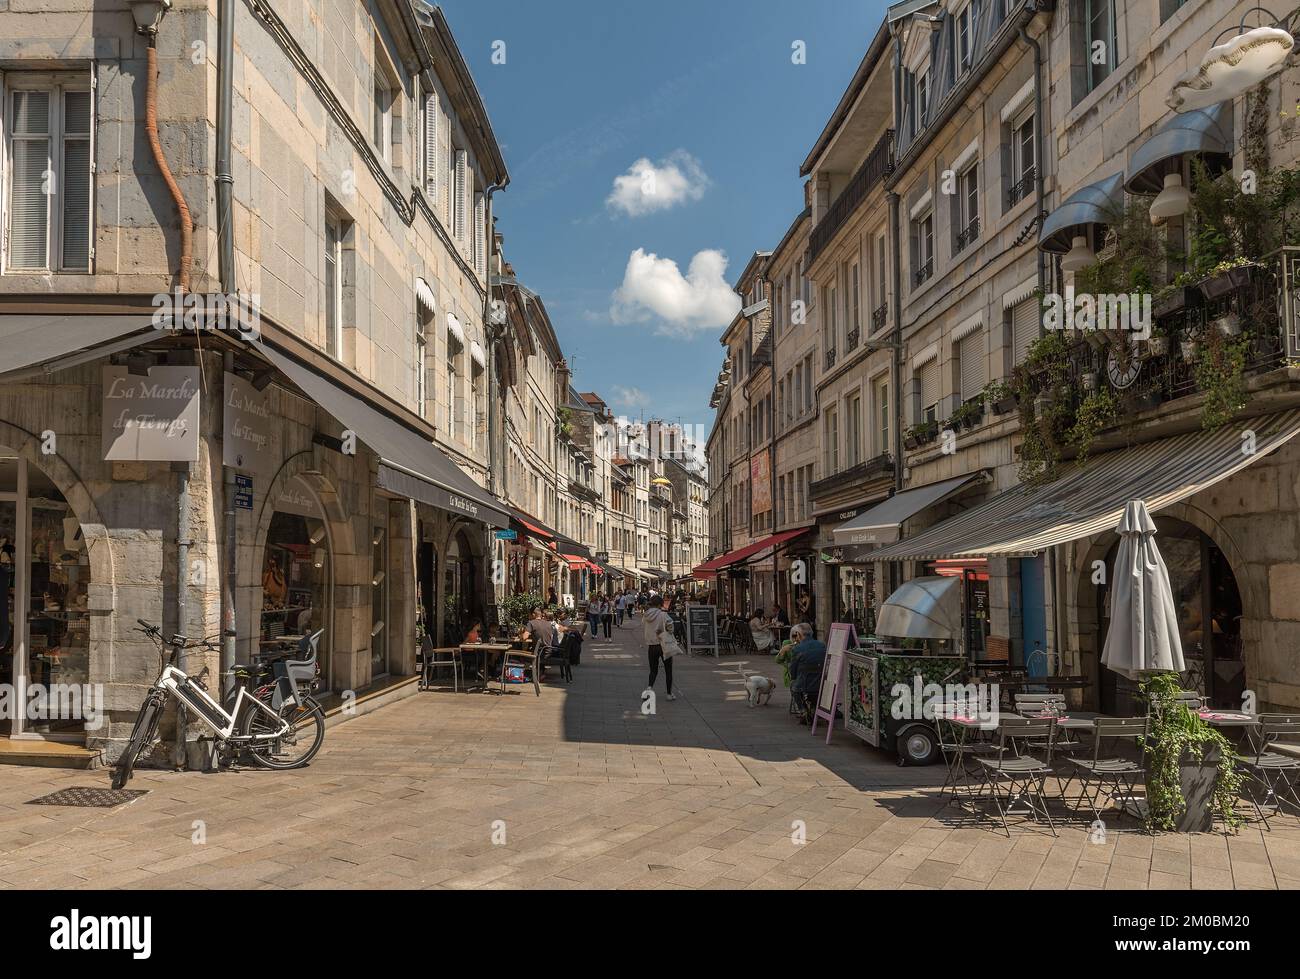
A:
1019	167
57	84
968	199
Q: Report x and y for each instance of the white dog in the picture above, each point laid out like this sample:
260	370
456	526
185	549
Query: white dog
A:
758	688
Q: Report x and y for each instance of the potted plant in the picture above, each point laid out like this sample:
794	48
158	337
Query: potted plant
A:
1229	324
1191	767
1157	345
1001	397
921	434
1227	277
1190	348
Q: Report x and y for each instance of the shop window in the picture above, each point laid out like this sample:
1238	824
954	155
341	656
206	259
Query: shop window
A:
296	572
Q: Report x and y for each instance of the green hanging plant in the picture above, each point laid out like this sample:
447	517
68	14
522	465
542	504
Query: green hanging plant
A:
1097	412
1177	733
1221	375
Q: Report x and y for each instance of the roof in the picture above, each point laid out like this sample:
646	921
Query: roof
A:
875	50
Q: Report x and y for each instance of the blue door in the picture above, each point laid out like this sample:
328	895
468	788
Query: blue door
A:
1033	616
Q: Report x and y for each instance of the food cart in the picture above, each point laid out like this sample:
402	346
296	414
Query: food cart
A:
927	610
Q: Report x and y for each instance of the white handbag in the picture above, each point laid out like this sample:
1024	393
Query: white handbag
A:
668	643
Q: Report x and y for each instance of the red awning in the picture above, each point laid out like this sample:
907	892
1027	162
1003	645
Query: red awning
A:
710	569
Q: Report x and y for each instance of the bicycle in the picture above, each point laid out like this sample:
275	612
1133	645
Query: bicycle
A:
272	722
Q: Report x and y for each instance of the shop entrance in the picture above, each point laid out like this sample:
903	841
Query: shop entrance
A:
462	604
44	624
1208	605
297	569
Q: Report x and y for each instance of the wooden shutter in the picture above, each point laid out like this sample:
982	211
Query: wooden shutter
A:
461	194
970	353
29	209
431	113
1024	327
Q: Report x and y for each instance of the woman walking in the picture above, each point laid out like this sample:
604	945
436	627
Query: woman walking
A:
657	623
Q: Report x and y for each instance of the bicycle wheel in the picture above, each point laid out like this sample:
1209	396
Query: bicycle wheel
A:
306	722
146	725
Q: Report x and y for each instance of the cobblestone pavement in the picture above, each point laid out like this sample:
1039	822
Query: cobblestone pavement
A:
588	792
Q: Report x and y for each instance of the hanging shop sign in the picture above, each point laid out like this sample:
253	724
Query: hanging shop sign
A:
151	417
246	427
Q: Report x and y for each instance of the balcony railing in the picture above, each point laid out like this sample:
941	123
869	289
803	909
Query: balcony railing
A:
878	165
923	273
967	235
878	316
1021	188
851	340
830	358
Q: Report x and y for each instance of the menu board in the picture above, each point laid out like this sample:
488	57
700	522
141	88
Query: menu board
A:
701	629
831	692
862	706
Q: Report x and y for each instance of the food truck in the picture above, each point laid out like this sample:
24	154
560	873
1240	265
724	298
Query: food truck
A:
918	635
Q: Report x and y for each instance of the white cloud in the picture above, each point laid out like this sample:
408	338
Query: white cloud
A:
653	286
632	397
649	187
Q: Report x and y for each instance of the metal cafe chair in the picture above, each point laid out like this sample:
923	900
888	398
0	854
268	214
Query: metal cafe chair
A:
530	660
1021	775
546	655
1107	769
959	746
431	659
1274	772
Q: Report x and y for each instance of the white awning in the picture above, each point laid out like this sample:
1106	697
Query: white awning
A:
880	524
455	329
424	295
477	355
1090	499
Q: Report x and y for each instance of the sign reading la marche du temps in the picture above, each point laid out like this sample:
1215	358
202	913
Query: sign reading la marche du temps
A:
246	427
153	417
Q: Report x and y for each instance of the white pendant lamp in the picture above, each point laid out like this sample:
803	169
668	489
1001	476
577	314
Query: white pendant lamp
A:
1080	256
1234	68
1173	200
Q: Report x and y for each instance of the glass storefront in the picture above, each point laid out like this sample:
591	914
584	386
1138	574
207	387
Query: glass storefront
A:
854	597
296	572
44	623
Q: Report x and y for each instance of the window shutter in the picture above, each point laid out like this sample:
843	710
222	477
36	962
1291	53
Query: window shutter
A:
76	180
971	354
462	175
480	235
29	208
431	113
1024	327
930	386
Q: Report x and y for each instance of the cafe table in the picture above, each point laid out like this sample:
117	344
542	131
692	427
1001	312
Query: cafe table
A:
482	651
966	722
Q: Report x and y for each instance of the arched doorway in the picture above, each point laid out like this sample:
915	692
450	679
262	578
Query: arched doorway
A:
297	572
45	624
462	603
1208	603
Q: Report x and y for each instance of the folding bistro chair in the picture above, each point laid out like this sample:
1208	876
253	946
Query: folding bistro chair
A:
959	745
546	655
431	659
1109	770
1024	774
1277	774
530	661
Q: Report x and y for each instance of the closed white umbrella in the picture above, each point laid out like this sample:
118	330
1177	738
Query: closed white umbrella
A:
1143	633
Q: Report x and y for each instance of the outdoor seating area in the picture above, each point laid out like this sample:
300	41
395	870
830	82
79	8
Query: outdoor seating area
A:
496	667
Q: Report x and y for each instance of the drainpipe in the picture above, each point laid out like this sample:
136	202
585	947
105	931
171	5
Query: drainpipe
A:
226	268
897	346
151	129
182	605
494	332
1038	144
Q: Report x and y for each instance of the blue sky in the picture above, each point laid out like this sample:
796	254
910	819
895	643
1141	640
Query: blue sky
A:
704	90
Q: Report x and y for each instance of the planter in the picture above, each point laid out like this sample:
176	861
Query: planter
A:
1004	406
1180	298
1158	346
1197	778
1190	349
910	443
1228	281
1229	325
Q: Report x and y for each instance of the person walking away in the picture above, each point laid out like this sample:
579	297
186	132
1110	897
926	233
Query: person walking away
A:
806	662
607	616
594	609
656	622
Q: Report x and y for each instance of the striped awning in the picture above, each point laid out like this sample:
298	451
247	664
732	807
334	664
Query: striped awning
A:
1089	499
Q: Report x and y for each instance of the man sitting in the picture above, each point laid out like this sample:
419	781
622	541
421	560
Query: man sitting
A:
806	661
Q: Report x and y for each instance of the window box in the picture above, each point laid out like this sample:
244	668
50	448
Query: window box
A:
1178	300
1227	281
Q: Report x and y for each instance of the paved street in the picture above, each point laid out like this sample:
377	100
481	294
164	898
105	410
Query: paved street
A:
588	793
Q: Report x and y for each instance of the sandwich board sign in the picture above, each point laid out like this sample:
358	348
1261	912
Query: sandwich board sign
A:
830	693
701	629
